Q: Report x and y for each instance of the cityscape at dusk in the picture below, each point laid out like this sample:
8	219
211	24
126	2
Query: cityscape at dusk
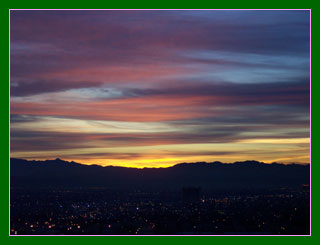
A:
160	122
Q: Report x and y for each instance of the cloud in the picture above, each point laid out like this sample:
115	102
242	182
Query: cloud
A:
184	77
44	86
39	140
295	93
116	47
135	29
179	102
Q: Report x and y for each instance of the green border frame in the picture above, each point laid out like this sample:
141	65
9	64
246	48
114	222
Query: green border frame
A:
4	226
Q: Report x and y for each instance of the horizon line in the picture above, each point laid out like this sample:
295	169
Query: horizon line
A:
154	167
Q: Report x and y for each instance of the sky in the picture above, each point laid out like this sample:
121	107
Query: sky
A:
157	88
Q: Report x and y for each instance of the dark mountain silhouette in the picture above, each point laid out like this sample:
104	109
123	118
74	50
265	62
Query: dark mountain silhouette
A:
209	176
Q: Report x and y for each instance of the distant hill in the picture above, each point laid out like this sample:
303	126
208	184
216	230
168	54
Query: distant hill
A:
247	175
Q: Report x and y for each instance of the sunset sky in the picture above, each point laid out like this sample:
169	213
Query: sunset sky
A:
156	88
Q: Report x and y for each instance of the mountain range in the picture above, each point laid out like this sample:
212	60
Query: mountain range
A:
246	175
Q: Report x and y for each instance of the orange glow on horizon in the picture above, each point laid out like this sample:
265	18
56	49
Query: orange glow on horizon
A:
169	162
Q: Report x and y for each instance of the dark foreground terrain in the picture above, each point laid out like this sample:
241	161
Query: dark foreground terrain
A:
58	197
102	212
